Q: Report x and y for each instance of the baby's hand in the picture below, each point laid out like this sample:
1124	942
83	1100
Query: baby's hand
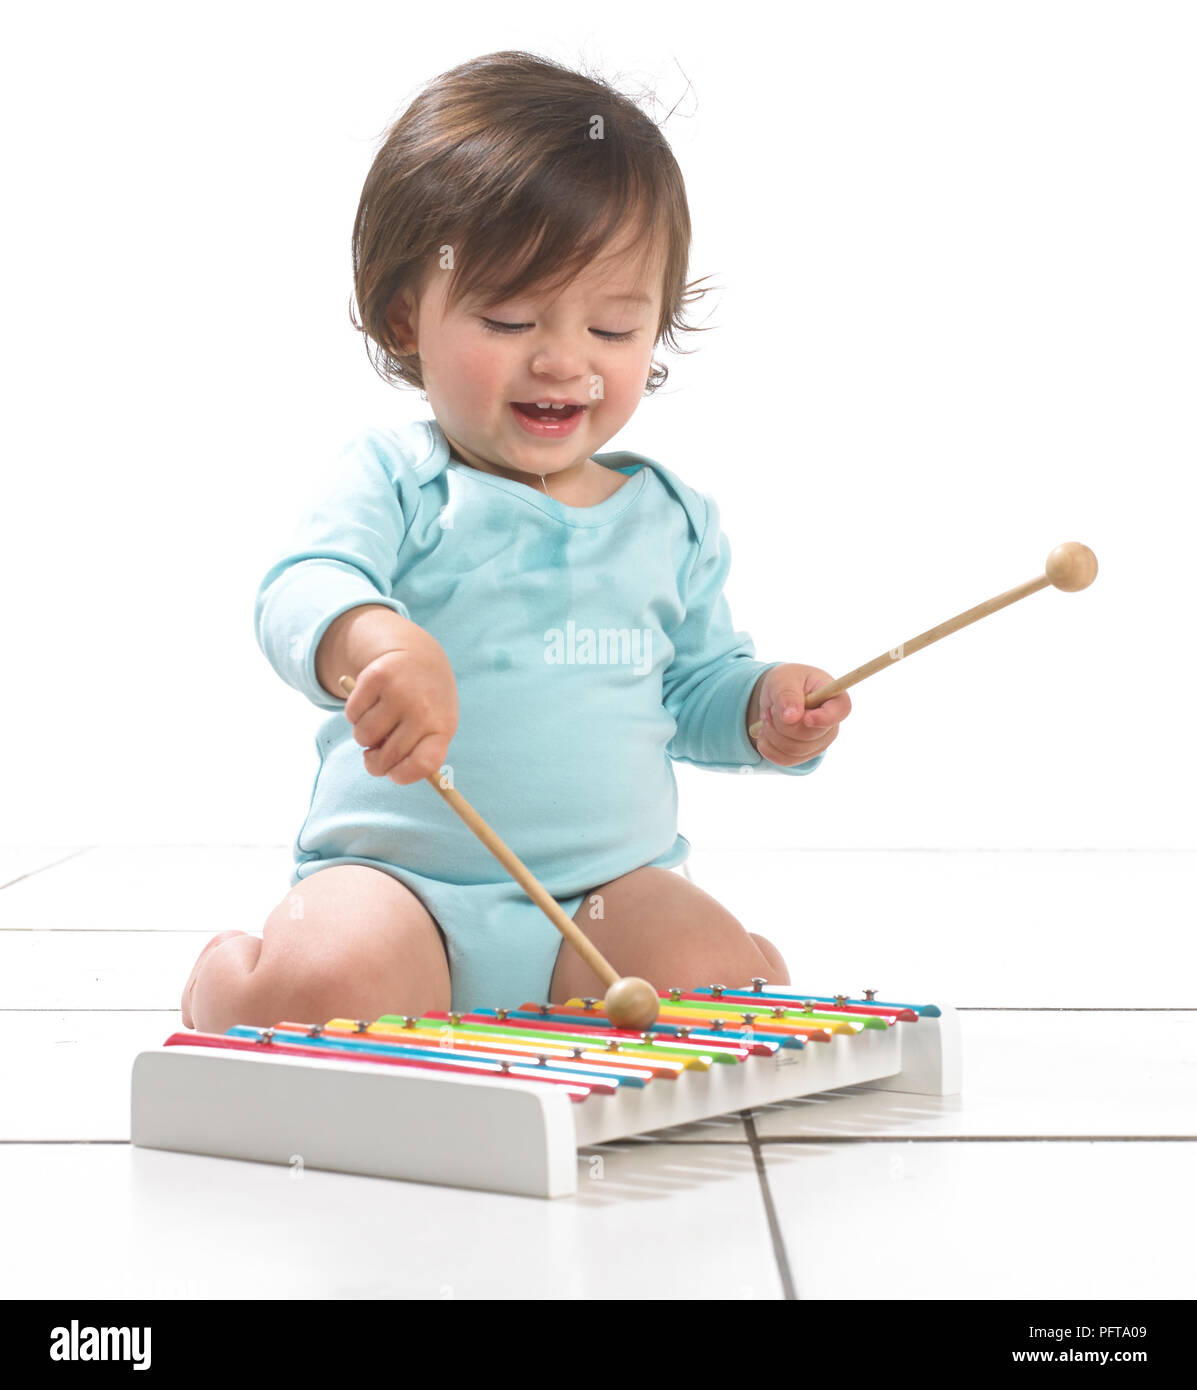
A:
788	736
404	710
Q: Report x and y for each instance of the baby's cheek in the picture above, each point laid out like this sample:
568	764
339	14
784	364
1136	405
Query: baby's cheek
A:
623	389
467	374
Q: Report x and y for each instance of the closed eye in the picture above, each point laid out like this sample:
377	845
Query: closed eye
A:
495	326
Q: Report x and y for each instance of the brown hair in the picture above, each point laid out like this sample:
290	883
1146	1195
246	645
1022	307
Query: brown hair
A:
527	170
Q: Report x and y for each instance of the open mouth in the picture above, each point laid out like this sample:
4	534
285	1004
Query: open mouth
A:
539	410
544	420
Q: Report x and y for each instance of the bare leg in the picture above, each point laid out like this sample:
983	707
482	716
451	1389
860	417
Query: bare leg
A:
348	942
659	926
777	974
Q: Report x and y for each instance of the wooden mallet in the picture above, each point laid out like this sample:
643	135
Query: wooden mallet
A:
630	1002
1070	567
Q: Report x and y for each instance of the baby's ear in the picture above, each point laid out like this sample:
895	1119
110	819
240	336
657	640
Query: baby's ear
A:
399	325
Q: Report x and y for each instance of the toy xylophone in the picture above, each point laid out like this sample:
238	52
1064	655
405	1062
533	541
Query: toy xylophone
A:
502	1099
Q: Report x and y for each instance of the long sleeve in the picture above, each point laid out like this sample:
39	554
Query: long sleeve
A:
714	670
343	555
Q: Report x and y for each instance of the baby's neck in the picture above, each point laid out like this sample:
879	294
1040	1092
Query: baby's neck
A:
581	485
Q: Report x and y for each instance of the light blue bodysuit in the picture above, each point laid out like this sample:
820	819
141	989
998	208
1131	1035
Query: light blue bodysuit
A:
590	646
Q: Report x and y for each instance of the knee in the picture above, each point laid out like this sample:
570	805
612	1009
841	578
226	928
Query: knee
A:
314	989
777	973
358	984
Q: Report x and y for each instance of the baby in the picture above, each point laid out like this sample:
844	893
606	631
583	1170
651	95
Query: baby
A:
539	624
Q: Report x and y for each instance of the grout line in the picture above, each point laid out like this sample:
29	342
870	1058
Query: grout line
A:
747	849
962	1008
187	844
757	1141
66	1141
936	1139
788	1291
940	849
20	878
973	1139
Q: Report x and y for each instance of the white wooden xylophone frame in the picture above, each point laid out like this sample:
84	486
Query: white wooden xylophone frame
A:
499	1135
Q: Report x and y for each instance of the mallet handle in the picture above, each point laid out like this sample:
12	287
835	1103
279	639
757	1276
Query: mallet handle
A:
518	871
924	639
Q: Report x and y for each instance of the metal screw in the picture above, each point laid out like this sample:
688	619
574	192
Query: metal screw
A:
758	984
870	994
717	991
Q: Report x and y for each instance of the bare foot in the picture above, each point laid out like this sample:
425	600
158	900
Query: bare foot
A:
185	1006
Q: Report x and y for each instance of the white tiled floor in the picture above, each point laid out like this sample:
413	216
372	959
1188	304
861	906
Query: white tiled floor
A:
1065	1169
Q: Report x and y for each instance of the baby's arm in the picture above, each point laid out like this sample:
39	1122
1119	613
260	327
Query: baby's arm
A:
714	673
340	563
788	732
327	610
404	706
353	640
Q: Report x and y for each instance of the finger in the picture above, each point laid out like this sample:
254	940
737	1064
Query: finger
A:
792	738
378	721
786	707
381	761
788	748
797	746
829	713
362	699
427	757
790	757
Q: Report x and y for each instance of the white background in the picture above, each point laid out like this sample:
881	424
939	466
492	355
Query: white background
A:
956	326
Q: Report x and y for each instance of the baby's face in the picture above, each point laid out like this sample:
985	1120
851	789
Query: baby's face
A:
589	344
